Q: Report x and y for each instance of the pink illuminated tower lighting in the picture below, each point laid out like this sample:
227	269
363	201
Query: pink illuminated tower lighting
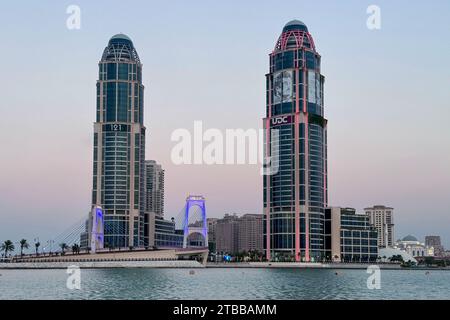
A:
296	196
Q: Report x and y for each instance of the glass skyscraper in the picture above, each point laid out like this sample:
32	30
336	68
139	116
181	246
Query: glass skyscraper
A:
119	145
295	197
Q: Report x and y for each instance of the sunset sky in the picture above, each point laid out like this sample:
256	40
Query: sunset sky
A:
387	100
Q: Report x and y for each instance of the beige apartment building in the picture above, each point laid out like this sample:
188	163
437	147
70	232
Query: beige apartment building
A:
382	218
235	234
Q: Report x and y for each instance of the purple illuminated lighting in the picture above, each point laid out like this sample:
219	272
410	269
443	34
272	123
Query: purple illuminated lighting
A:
192	201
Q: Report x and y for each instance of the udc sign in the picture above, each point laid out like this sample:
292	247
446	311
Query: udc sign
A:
276	121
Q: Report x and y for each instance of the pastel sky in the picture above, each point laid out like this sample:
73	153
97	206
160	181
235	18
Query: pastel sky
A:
387	100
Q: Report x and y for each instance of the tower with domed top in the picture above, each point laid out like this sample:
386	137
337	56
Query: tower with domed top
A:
119	145
295	197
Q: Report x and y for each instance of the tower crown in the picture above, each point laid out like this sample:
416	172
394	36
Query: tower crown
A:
295	25
120	49
295	35
120	37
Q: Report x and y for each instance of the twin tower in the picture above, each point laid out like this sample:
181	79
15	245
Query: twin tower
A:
295	197
119	145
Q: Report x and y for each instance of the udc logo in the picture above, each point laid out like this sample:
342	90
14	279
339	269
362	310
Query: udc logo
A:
74	279
281	120
374	280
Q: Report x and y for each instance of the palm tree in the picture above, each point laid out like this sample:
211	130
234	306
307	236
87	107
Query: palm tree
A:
7	246
63	246
23	245
37	245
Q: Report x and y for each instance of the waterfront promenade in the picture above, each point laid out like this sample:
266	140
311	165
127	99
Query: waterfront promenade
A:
167	258
300	265
191	264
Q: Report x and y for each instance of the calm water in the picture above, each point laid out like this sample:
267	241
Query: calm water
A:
223	284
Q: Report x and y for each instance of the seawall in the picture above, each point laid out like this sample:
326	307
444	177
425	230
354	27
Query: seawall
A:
103	264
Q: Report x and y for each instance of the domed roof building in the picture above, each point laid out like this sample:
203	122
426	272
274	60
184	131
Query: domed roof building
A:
414	247
295	25
410	238
120	49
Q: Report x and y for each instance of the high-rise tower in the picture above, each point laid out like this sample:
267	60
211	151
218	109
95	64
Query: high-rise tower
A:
382	218
295	197
119	144
154	188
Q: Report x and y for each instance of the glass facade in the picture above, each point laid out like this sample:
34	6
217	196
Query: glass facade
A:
119	145
166	235
358	239
295	197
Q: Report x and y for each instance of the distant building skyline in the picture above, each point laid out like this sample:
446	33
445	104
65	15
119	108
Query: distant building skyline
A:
435	242
212	222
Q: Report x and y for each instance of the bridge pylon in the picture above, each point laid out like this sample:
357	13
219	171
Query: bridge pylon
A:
192	201
97	229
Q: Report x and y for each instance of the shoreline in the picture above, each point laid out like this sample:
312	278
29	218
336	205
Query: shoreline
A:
325	266
192	264
168	264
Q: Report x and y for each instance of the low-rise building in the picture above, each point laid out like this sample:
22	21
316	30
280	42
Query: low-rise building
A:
349	237
162	233
414	247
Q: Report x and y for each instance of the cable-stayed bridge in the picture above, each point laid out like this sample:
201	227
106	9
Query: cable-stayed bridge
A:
190	221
